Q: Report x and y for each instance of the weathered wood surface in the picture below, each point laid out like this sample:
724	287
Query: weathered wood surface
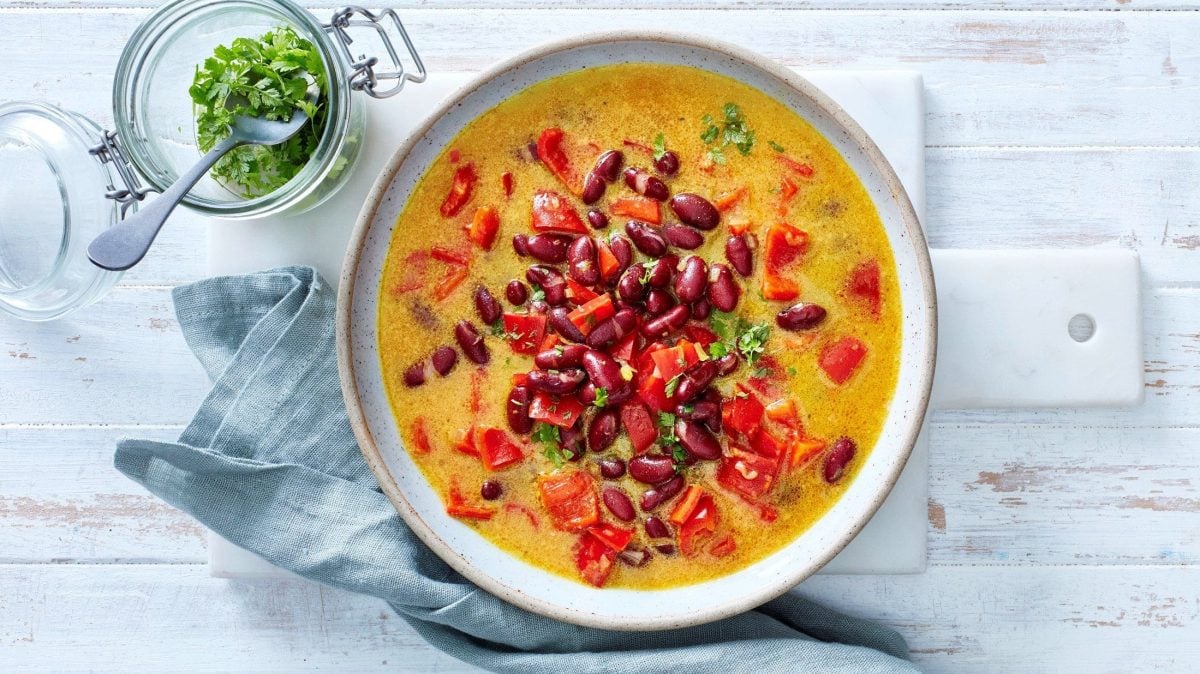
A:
1060	540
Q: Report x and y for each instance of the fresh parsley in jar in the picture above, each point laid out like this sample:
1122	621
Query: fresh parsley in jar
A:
267	77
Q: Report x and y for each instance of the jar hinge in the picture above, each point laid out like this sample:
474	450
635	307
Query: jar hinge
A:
364	76
108	151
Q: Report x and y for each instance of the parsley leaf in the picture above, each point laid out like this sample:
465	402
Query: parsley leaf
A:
673	385
660	146
717	350
497	328
266	77
776	146
679	454
666	428
733	131
752	342
549	436
538	294
601	397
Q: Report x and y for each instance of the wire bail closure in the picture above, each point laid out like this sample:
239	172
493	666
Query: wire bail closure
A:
364	76
108	151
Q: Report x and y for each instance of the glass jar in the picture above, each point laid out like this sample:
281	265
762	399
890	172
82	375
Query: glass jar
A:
54	199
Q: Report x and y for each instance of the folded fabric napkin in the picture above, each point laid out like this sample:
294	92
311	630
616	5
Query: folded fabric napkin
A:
270	463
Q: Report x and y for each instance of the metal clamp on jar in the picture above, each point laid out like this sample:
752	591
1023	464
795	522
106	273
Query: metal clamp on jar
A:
63	179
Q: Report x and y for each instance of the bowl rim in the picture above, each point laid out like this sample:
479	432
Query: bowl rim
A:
373	456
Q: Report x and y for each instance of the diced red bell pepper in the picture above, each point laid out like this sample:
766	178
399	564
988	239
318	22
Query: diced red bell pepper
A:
644	357
723	547
550	341
524	332
552	213
686	504
842	358
624	348
764	443
863	285
461	258
638	208
455	155
455	275
570	499
497	450
607	261
525	510
739	225
420	435
506	181
783	411
652	388
577	293
561	411
467	442
700	334
702	523
462	187
551	153
458	506
787	192
416	264
673	360
484	226
638	424
476	399
748	474
800	168
612	536
519	378
775	287
728	200
587	316
594	560
804	450
785	244
742	413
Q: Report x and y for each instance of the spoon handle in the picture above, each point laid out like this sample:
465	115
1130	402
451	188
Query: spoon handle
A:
125	244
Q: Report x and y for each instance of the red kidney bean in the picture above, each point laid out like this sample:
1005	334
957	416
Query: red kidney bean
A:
692	281
517	409
586	393
728	363
710	413
701	410
562	356
571	440
603	429
658	301
656	528
645	184
670	320
415	374
490	490
652	468
665	549
539	307
662	271
563	326
668	164
737	251
531	147
520	244
603	335
647	240
582	257
551	248
593	188
622	392
558	382
654	497
695	210
470	342
611	467
597	219
608	165
630	286
697	440
634	555
444	358
618	504
602	369
552	282
621	249
839	457
722	289
800	316
695	379
701	308
682	236
486	306
516	292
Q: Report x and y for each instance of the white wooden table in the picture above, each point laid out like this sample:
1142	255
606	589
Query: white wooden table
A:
1060	540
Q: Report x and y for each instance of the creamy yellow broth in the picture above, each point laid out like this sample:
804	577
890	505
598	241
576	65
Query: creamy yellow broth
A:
605	106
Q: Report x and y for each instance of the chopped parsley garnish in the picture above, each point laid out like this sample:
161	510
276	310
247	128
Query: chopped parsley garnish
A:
792	371
266	77
660	147
776	146
732	130
549	437
760	373
752	342
717	350
601	397
538	294
679	454
736	334
498	328
646	274
673	385
666	427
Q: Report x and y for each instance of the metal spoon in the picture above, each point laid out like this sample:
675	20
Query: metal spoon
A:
125	244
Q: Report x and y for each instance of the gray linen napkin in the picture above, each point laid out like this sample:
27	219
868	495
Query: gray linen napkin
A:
270	463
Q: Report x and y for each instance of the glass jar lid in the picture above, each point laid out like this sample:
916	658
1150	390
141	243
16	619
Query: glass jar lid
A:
52	203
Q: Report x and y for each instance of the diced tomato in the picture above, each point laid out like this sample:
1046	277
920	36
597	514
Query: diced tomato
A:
552	213
551	153
804	450
783	411
700	334
612	536
466	443
742	413
462	187
787	192
457	506
594	560
587	316
607	261
801	169
639	208
723	547
577	293
728	200
863	285
524	332
686	504
455	275
702	523
624	348
785	245
561	411
525	510
842	358
416	264
748	474
506	181
638	424
764	443
497	450
483	227
570	499
461	258
420	433
775	287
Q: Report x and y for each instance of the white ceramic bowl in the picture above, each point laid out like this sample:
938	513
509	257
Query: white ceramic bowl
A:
523	584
